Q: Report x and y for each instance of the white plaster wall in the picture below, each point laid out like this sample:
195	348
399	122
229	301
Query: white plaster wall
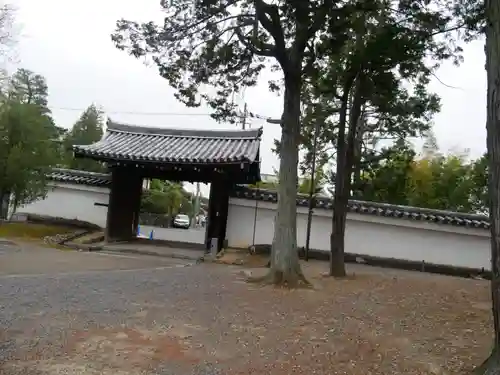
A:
71	201
367	235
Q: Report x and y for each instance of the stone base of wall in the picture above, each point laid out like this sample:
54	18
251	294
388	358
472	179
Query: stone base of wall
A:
402	264
57	221
165	243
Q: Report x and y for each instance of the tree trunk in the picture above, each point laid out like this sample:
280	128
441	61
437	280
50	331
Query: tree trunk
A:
2	200
345	161
492	365
4	205
358	152
15	206
337	265
285	267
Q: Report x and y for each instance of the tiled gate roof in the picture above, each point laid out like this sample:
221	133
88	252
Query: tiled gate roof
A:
174	146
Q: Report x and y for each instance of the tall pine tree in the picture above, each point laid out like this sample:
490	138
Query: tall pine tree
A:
87	130
28	87
28	139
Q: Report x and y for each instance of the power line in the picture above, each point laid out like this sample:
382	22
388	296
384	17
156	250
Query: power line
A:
133	112
243	115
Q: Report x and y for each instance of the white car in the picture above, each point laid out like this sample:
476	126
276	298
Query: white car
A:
181	221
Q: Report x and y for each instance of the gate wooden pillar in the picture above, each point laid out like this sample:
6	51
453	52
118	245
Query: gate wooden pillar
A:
223	213
217	213
124	203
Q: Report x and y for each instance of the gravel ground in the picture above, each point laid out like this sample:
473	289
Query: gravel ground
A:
203	319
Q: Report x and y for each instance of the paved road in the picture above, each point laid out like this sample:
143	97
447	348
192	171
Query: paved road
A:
192	235
4	248
16	261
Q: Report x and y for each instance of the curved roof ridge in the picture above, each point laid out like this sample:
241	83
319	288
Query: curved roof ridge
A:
113	126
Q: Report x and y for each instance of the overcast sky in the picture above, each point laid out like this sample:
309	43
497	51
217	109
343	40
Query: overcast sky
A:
69	43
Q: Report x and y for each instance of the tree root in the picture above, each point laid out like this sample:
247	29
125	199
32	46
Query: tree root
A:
339	276
276	278
491	366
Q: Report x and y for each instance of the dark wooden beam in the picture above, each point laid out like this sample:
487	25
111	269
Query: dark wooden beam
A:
240	173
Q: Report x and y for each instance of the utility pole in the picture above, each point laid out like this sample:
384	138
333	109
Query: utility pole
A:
197	197
197	202
244	119
312	189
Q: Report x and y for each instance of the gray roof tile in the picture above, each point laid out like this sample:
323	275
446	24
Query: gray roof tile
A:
373	208
72	176
180	146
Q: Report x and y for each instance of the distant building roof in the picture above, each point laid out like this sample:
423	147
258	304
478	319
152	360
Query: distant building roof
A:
71	176
174	146
376	209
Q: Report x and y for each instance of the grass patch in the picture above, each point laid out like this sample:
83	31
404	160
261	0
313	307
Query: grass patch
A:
31	231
